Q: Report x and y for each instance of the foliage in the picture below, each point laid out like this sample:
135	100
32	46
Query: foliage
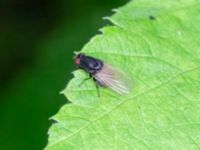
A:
156	44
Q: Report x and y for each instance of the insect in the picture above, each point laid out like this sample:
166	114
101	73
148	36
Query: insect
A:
103	74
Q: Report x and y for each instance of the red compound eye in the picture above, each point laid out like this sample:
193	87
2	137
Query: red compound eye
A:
77	61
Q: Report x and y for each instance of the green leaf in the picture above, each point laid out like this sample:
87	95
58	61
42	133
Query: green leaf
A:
157	44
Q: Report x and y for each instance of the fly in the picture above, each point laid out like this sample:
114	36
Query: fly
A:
103	74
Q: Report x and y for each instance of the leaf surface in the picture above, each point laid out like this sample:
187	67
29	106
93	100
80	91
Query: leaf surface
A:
156	43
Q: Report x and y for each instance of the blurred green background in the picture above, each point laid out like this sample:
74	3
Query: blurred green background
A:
37	40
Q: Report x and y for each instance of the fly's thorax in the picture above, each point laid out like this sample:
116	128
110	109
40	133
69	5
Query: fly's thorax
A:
91	65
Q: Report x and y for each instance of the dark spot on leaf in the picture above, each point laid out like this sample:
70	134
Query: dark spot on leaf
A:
152	17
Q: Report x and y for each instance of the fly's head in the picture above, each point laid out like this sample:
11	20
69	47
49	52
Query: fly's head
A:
78	58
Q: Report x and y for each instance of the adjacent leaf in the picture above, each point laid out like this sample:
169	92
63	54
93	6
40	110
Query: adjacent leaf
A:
157	44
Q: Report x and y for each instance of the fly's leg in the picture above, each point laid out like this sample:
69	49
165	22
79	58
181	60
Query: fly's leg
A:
95	81
97	86
85	80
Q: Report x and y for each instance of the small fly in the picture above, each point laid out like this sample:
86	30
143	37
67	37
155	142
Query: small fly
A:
103	74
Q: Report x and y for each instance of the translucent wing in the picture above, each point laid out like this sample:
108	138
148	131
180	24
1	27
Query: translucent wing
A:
114	79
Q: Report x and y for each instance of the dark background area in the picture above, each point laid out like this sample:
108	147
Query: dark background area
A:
37	40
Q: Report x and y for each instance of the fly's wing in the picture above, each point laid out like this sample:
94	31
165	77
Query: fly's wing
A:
114	79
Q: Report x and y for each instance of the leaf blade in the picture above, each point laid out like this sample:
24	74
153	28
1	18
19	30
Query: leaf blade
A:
163	108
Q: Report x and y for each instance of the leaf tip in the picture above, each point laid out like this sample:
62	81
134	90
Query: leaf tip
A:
114	10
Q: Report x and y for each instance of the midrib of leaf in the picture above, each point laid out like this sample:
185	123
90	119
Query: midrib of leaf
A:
126	100
129	55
